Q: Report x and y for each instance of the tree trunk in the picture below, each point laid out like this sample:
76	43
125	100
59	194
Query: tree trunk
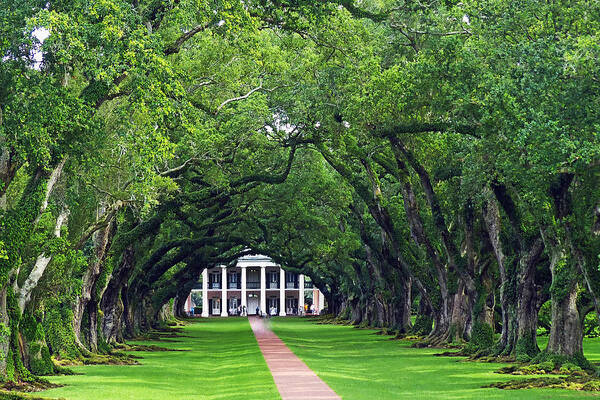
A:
460	316
112	303
491	216
527	311
6	361
102	241
519	292
41	263
8	169
566	331
92	309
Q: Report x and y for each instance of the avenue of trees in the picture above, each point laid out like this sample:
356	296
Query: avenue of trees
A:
430	158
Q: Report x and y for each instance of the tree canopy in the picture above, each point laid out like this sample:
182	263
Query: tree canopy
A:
432	158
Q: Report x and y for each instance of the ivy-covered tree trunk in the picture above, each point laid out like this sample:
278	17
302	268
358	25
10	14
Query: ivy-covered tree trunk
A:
357	309
491	217
481	339
404	323
102	241
17	227
8	169
527	311
461	315
566	333
35	352
6	363
441	322
424	321
519	291
112	305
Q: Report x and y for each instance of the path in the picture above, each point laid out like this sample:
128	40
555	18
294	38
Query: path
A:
293	378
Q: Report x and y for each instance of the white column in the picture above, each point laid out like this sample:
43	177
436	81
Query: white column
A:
281	292
321	302
205	292
263	289
223	291
244	296
301	293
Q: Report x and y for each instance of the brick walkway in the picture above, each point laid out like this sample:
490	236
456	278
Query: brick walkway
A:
294	380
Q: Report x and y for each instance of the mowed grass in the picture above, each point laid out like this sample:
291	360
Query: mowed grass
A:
222	361
358	364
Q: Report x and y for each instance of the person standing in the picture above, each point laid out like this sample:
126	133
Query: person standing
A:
258	311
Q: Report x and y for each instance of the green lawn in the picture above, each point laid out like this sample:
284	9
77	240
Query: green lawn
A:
223	362
360	365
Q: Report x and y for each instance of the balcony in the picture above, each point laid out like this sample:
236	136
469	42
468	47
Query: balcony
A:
234	285
214	285
291	285
252	285
272	285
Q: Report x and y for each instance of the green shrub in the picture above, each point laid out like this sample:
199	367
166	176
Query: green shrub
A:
571	369
592	386
423	325
482	337
545	318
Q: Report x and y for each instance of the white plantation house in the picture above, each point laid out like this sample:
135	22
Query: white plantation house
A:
256	282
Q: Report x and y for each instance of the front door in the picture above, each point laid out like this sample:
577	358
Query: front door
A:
273	306
291	306
216	307
252	304
233	305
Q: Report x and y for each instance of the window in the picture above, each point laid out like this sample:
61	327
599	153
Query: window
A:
215	280
291	305
291	280
233	305
273	280
234	281
273	305
216	306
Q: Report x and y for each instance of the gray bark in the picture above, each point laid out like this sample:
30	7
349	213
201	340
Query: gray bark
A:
41	263
101	243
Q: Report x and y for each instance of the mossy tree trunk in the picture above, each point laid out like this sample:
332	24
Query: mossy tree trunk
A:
527	311
6	362
112	299
18	226
83	303
519	291
566	332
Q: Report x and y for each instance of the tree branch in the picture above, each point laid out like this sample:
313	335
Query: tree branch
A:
176	46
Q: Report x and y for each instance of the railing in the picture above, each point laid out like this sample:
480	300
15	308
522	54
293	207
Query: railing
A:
215	285
252	285
308	285
291	285
273	285
234	285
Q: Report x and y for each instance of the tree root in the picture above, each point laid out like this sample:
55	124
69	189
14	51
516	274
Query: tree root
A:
114	358
36	386
437	341
546	367
144	347
4	395
585	383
